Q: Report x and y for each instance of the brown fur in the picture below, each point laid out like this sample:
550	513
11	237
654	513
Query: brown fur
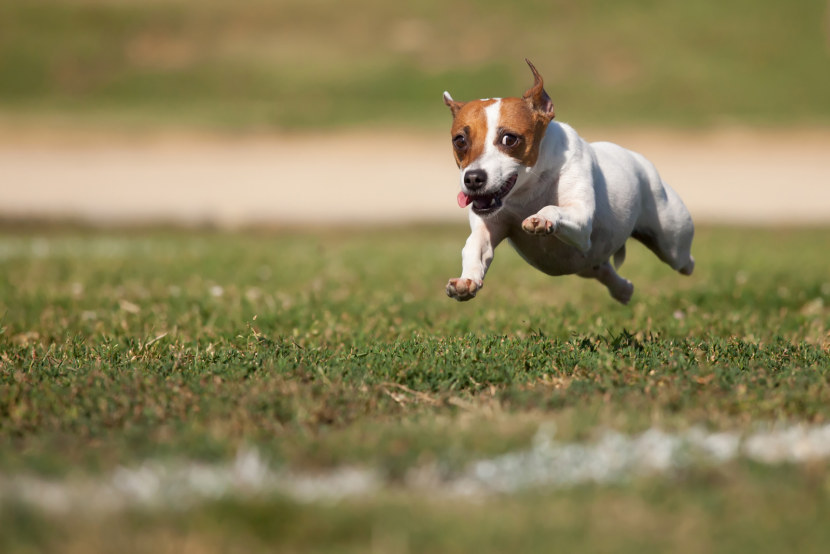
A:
470	120
518	118
526	117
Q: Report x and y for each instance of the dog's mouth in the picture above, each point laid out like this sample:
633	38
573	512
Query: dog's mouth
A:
484	204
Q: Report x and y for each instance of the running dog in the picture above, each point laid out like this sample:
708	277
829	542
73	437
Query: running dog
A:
566	205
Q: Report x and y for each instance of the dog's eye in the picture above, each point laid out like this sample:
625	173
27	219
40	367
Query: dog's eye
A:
460	142
509	140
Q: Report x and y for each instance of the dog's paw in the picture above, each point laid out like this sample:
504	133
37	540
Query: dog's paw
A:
538	225
462	289
623	291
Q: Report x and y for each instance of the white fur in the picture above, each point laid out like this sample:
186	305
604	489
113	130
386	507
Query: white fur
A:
574	210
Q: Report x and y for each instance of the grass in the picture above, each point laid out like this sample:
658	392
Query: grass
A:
338	347
316	64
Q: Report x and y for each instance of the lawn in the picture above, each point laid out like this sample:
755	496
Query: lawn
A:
337	348
298	390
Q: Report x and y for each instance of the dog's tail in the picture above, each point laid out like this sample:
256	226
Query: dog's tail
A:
619	257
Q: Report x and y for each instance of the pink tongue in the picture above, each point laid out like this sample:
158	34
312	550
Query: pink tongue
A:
463	200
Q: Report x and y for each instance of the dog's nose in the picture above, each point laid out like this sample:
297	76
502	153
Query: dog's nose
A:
474	179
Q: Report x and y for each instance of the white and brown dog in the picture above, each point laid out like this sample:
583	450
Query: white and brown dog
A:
566	205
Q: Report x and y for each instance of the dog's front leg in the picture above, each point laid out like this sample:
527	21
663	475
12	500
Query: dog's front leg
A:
571	220
475	259
570	224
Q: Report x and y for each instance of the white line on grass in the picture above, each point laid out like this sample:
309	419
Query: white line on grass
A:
612	458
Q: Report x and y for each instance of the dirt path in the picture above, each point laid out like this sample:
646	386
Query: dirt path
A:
727	176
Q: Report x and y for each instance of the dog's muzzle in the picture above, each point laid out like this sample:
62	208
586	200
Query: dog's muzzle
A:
484	204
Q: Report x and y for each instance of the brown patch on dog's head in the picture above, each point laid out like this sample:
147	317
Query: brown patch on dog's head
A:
526	118
469	128
520	131
522	123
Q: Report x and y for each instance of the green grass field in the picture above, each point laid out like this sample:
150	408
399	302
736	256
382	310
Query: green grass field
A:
339	348
299	64
125	352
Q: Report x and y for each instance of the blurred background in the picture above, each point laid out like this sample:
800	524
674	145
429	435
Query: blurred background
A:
292	111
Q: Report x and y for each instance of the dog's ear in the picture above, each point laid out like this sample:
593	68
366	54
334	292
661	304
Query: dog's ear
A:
453	105
537	97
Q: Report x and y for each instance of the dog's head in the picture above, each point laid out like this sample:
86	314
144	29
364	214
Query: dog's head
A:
495	140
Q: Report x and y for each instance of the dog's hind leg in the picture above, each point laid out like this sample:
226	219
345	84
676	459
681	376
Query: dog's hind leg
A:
666	229
671	247
621	289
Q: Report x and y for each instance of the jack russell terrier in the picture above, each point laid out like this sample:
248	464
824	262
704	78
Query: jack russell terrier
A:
567	206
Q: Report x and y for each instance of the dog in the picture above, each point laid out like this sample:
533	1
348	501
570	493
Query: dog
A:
567	206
